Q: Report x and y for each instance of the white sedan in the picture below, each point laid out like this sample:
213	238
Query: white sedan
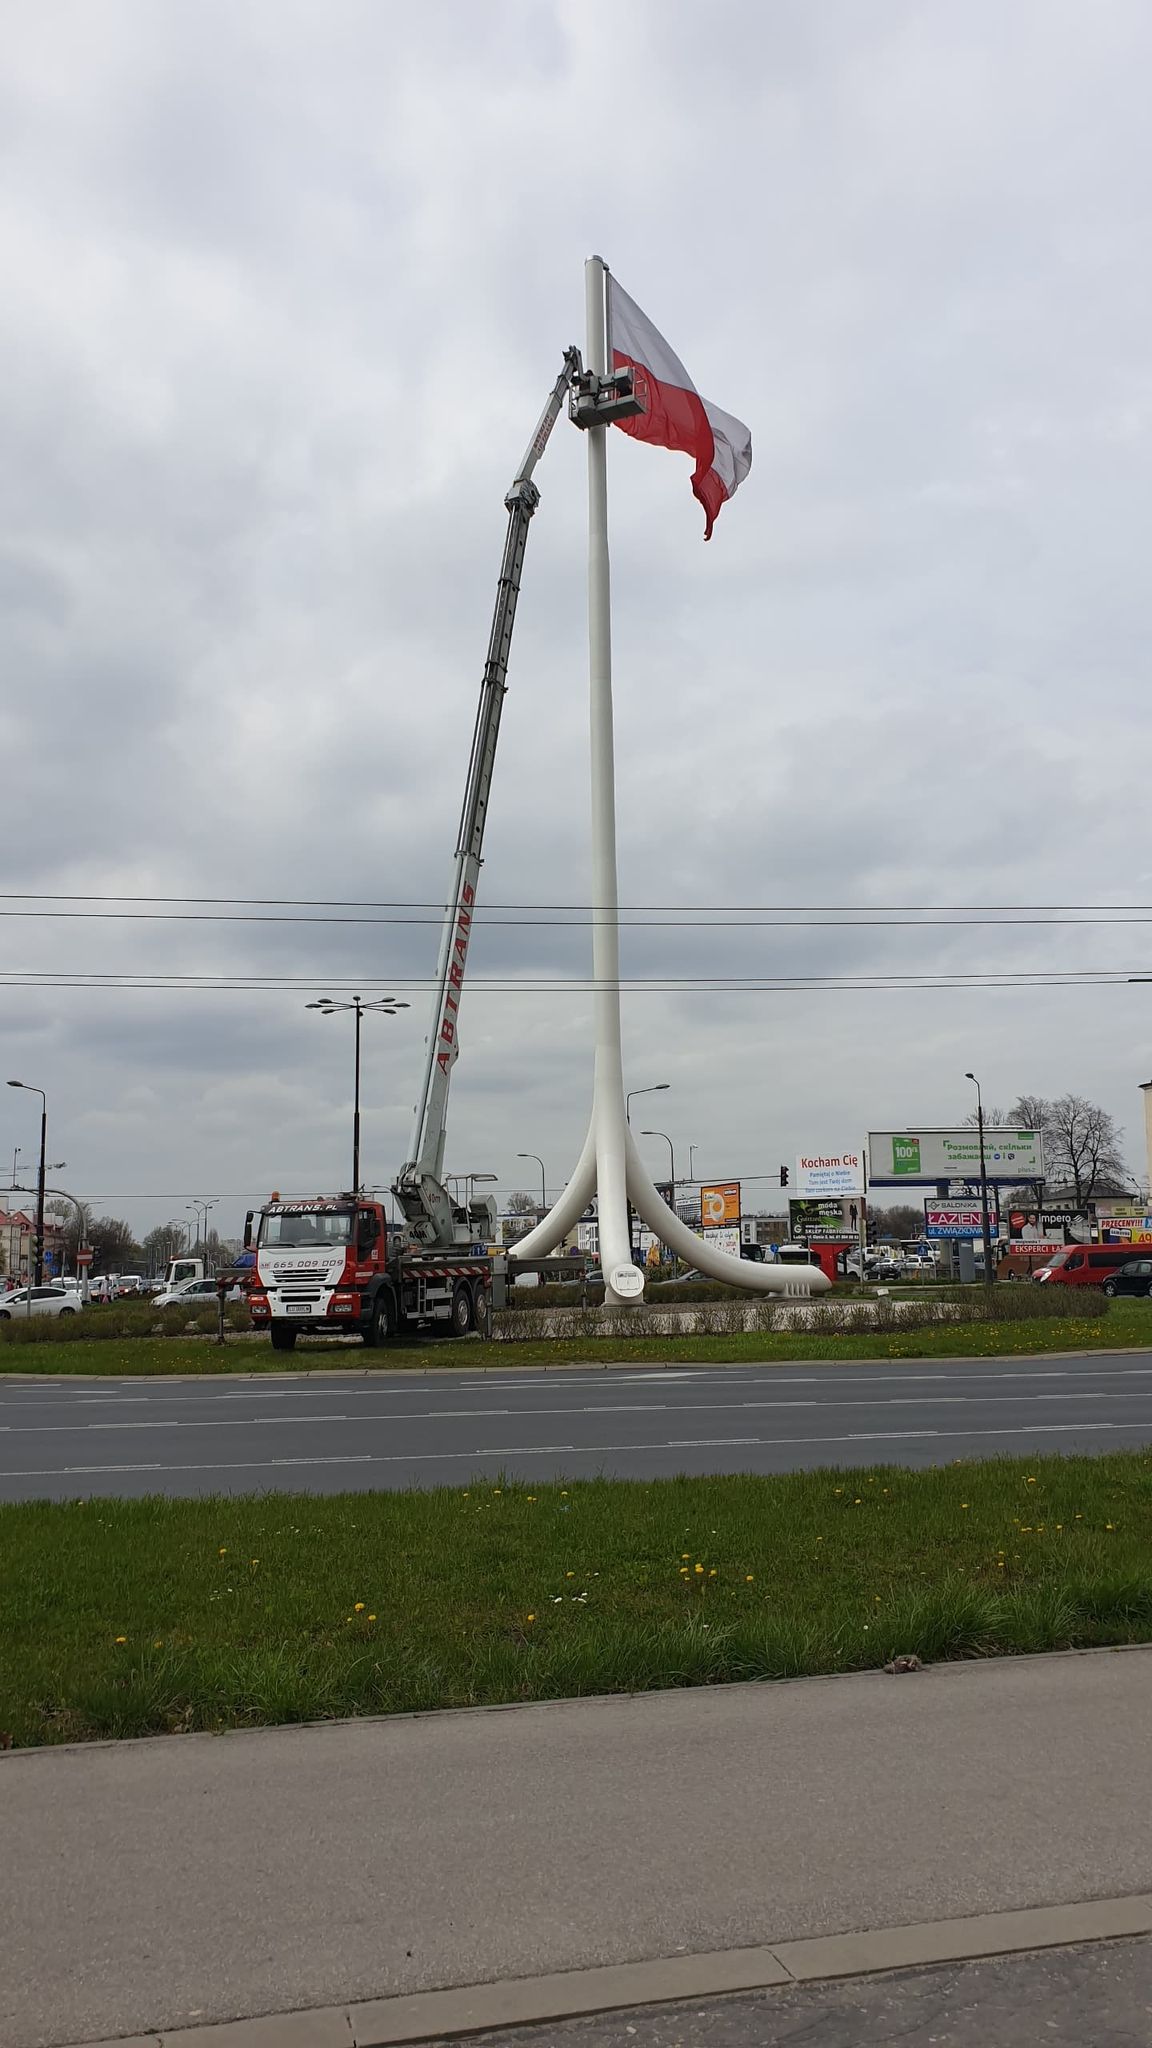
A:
45	1301
195	1294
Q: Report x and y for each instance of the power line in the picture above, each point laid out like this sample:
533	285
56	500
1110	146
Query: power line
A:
435	903
720	922
674	985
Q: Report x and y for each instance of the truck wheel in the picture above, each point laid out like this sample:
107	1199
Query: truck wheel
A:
463	1311
284	1336
382	1322
483	1312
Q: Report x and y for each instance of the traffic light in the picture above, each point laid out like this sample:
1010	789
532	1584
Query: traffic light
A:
783	1176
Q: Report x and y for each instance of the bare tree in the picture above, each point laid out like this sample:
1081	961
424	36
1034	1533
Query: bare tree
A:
521	1204
75	1219
161	1245
1082	1147
899	1220
115	1247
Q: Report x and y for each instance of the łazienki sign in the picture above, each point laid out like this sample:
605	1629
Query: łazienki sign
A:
829	1173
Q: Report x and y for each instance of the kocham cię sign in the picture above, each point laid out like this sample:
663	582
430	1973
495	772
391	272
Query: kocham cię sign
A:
829	1173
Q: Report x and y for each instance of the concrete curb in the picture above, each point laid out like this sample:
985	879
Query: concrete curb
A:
368	1372
475	2008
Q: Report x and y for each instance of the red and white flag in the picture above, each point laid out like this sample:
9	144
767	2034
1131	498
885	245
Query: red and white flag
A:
675	415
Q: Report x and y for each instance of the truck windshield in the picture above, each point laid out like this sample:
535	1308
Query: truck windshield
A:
303	1227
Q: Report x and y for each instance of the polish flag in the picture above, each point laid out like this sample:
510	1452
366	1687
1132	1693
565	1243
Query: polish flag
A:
675	415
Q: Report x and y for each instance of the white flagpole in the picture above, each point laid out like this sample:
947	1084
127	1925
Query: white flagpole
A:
623	1280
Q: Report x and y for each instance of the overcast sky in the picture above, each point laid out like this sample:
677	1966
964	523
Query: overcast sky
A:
285	286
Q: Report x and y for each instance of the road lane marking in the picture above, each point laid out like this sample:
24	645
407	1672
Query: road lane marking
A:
577	1450
434	1415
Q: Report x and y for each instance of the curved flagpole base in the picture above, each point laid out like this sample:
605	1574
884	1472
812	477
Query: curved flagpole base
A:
798	1281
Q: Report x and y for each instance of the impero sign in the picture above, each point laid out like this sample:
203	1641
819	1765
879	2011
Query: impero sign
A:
829	1173
902	1158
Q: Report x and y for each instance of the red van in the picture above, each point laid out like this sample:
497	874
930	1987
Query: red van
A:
1085	1265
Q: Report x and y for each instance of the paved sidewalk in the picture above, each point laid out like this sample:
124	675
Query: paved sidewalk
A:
176	1881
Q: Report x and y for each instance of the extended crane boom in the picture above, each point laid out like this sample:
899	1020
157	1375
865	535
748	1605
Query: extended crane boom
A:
428	1208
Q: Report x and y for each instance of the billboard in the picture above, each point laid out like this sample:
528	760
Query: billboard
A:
829	1221
957	1219
720	1205
1128	1229
723	1237
829	1173
1048	1229
899	1159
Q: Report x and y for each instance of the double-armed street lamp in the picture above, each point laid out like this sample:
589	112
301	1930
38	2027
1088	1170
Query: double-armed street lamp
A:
328	1007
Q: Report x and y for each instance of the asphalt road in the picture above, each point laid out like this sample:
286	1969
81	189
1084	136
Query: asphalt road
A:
60	1438
1059	1998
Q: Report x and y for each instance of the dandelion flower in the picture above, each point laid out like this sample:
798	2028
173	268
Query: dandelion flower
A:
699	1567
530	1617
371	1617
359	1607
158	1645
121	1639
748	1578
223	1550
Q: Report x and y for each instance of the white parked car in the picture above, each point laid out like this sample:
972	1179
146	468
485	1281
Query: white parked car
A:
45	1301
195	1294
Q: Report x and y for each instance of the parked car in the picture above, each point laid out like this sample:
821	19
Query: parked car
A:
196	1293
889	1266
1134	1278
45	1301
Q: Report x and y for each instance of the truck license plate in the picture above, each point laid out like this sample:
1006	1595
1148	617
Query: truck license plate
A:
298	1308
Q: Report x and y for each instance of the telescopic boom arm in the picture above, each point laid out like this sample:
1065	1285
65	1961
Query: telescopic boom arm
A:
419	1188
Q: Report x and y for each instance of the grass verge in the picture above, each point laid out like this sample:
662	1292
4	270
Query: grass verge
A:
135	1617
1127	1323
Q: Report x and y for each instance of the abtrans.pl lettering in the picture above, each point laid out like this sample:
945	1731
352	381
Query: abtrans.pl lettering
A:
460	940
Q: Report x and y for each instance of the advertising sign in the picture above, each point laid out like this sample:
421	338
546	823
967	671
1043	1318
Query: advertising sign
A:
1130	1229
956	1219
829	1173
720	1205
824	1222
1048	1229
901	1158
723	1237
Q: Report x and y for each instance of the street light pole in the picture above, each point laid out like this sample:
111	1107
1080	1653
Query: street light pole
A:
671	1163
656	1088
388	1006
543	1182
985	1227
39	1268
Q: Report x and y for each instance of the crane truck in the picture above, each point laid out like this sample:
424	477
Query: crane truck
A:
336	1262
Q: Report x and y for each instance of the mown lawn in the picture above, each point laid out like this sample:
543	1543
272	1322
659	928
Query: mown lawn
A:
131	1617
1115	1325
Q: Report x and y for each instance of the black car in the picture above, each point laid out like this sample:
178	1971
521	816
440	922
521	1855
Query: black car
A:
1134	1278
